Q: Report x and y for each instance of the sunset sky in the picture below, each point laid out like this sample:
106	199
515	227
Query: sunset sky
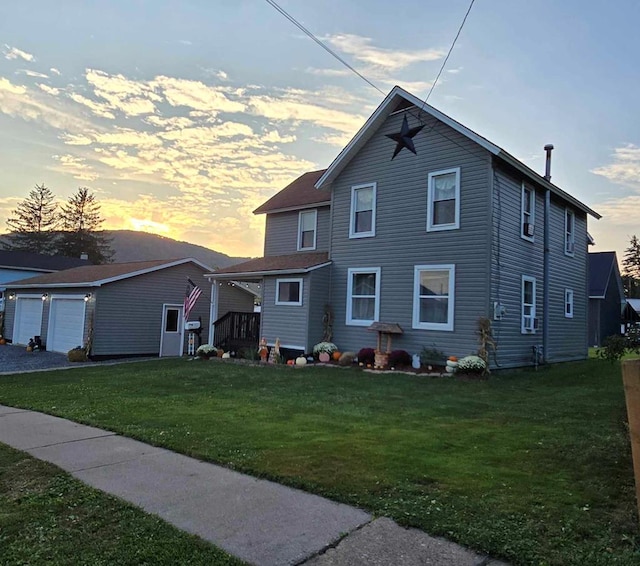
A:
184	116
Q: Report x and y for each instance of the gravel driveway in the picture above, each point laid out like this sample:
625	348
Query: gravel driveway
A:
16	359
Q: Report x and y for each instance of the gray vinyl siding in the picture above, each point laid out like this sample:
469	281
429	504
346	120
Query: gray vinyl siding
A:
10	311
128	316
233	299
567	336
319	281
281	232
287	322
402	242
513	257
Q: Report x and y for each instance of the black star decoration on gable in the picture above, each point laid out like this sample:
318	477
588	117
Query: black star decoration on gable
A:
405	137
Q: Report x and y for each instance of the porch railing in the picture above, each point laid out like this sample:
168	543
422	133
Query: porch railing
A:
236	330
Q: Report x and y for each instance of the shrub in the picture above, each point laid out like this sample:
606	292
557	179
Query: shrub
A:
472	364
613	348
367	356
399	358
206	351
326	347
77	355
432	357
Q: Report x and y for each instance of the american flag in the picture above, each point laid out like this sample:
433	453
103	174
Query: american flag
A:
190	297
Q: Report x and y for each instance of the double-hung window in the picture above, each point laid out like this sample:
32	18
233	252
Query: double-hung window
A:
363	211
307	222
569	232
289	292
363	296
568	303
529	322
443	193
528	214
433	297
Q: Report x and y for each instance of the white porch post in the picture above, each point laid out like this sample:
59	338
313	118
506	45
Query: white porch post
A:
213	309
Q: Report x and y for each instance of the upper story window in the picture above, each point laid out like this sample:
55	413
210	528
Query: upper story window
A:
529	321
363	211
289	292
569	232
363	296
433	297
443	209
528	214
307	224
568	303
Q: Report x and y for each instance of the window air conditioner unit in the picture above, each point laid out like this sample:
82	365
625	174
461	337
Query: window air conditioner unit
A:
530	323
528	229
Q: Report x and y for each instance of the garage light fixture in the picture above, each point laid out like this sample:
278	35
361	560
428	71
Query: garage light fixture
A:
12	296
87	297
45	296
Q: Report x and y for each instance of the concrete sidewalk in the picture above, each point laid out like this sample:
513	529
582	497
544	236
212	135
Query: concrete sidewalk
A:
261	522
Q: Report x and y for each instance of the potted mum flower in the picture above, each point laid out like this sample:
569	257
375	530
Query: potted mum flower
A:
206	351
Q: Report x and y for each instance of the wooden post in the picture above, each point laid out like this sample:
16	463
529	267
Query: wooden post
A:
631	380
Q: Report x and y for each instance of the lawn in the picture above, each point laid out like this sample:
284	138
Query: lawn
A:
531	467
47	517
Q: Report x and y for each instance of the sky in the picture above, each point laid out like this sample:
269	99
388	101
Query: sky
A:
184	116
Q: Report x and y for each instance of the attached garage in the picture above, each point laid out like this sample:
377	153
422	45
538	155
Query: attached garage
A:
28	321
66	322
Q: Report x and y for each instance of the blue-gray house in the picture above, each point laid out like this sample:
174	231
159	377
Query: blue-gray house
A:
606	297
422	222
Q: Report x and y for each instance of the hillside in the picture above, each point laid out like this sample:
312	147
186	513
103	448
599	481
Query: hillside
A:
130	245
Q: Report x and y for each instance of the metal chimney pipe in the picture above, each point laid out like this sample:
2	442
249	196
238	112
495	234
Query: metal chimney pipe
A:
547	170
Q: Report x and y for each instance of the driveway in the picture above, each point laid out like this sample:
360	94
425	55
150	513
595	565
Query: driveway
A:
16	359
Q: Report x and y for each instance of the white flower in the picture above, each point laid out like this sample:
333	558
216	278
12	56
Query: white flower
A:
328	347
473	364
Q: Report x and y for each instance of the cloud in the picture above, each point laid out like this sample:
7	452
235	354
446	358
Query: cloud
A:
15	53
97	108
625	169
361	49
75	166
31	73
54	71
49	89
132	98
328	72
195	95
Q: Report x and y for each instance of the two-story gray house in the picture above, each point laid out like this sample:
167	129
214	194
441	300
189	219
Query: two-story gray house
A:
420	221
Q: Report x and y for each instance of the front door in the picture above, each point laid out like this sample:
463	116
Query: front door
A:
172	336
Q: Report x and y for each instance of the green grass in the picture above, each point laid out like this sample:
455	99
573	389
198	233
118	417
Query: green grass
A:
47	517
532	467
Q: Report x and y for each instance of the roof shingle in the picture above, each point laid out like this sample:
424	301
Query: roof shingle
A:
300	193
300	262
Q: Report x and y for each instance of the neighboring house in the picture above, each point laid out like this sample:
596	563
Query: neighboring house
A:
631	314
18	265
122	309
606	297
432	241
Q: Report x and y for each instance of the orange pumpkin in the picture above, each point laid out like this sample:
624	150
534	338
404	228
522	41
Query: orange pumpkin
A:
453	359
2	341
336	356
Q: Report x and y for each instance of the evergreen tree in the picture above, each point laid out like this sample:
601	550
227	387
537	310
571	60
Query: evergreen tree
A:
80	224
33	223
631	268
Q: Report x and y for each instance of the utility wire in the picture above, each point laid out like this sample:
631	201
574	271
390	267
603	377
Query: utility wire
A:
449	53
321	43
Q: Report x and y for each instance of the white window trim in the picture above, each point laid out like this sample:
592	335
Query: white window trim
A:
352	214
569	238
438	227
376	316
315	229
568	301
288	303
523	329
448	326
532	217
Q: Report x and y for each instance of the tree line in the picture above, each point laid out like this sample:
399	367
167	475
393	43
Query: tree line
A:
41	225
631	269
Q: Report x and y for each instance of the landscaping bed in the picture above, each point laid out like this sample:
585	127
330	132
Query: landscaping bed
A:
531	467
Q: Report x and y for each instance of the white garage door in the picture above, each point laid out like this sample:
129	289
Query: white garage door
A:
28	319
66	324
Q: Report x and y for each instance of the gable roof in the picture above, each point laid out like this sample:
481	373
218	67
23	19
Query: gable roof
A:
273	265
602	266
98	275
301	193
27	261
634	304
399	98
